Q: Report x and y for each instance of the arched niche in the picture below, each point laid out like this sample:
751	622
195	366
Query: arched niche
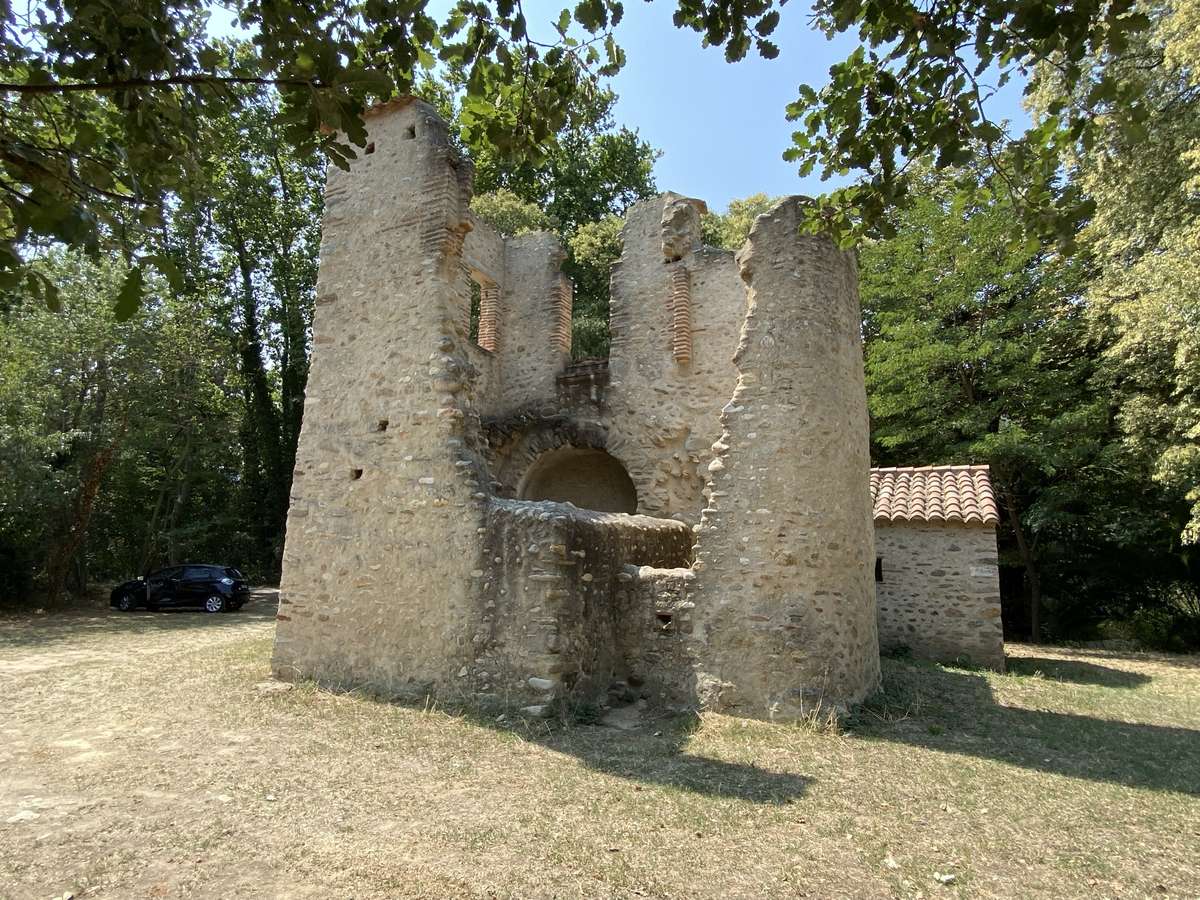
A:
589	478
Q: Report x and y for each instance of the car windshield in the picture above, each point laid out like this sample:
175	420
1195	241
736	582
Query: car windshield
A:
233	573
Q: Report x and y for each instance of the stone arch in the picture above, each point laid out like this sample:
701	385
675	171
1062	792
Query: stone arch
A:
517	442
589	478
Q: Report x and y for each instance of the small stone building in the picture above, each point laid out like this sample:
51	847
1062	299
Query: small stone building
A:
936	574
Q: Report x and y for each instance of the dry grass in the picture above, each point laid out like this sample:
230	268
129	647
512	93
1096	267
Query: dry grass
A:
139	759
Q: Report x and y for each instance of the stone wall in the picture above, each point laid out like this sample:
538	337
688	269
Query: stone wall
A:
675	312
940	592
663	655
382	532
535	334
562	618
384	555
785	599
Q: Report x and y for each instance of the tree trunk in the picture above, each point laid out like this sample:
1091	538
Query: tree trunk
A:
294	349
1033	579
262	417
179	505
59	563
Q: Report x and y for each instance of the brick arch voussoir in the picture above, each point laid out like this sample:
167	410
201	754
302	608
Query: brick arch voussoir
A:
515	444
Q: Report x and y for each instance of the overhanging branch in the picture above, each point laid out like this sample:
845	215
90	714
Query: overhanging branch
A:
176	81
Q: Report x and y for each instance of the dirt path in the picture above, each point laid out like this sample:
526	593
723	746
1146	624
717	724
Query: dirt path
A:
109	638
71	685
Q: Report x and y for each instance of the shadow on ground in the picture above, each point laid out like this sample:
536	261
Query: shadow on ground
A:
1075	671
955	712
662	759
26	630
922	705
654	754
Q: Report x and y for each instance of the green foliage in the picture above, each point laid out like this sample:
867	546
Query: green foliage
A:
234	265
1173	626
594	170
917	88
509	214
155	389
248	239
579	189
979	352
1145	242
731	229
188	172
192	400
594	248
104	105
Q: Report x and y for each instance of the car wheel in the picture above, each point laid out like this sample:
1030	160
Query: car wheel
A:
126	604
214	604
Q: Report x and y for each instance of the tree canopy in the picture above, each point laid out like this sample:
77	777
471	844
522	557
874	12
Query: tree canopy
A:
198	463
580	189
101	103
1075	377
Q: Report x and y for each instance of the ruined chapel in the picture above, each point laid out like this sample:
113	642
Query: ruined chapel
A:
477	518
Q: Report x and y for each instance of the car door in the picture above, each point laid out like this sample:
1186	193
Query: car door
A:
193	587
164	586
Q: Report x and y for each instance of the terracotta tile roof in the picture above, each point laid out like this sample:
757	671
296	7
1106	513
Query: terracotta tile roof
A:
934	494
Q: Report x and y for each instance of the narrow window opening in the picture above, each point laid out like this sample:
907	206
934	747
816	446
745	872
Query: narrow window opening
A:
664	618
355	474
485	314
476	308
879	568
382	426
410	133
370	148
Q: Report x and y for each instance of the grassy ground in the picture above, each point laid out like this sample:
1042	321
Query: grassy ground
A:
140	756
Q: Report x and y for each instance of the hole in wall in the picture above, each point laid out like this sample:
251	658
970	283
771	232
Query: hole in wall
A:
355	474
476	308
664	618
591	479
370	148
382	425
484	311
410	132
879	568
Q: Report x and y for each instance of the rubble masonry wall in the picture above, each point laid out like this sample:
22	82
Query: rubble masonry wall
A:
940	592
785	594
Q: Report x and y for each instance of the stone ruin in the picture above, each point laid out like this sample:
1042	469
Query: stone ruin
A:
482	520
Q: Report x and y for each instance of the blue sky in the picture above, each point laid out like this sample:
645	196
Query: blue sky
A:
720	127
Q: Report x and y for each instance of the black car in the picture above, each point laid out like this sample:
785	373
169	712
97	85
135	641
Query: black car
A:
212	588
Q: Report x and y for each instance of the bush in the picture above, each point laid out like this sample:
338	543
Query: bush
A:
1173	626
16	572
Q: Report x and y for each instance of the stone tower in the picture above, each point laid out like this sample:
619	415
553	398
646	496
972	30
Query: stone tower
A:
785	597
462	521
